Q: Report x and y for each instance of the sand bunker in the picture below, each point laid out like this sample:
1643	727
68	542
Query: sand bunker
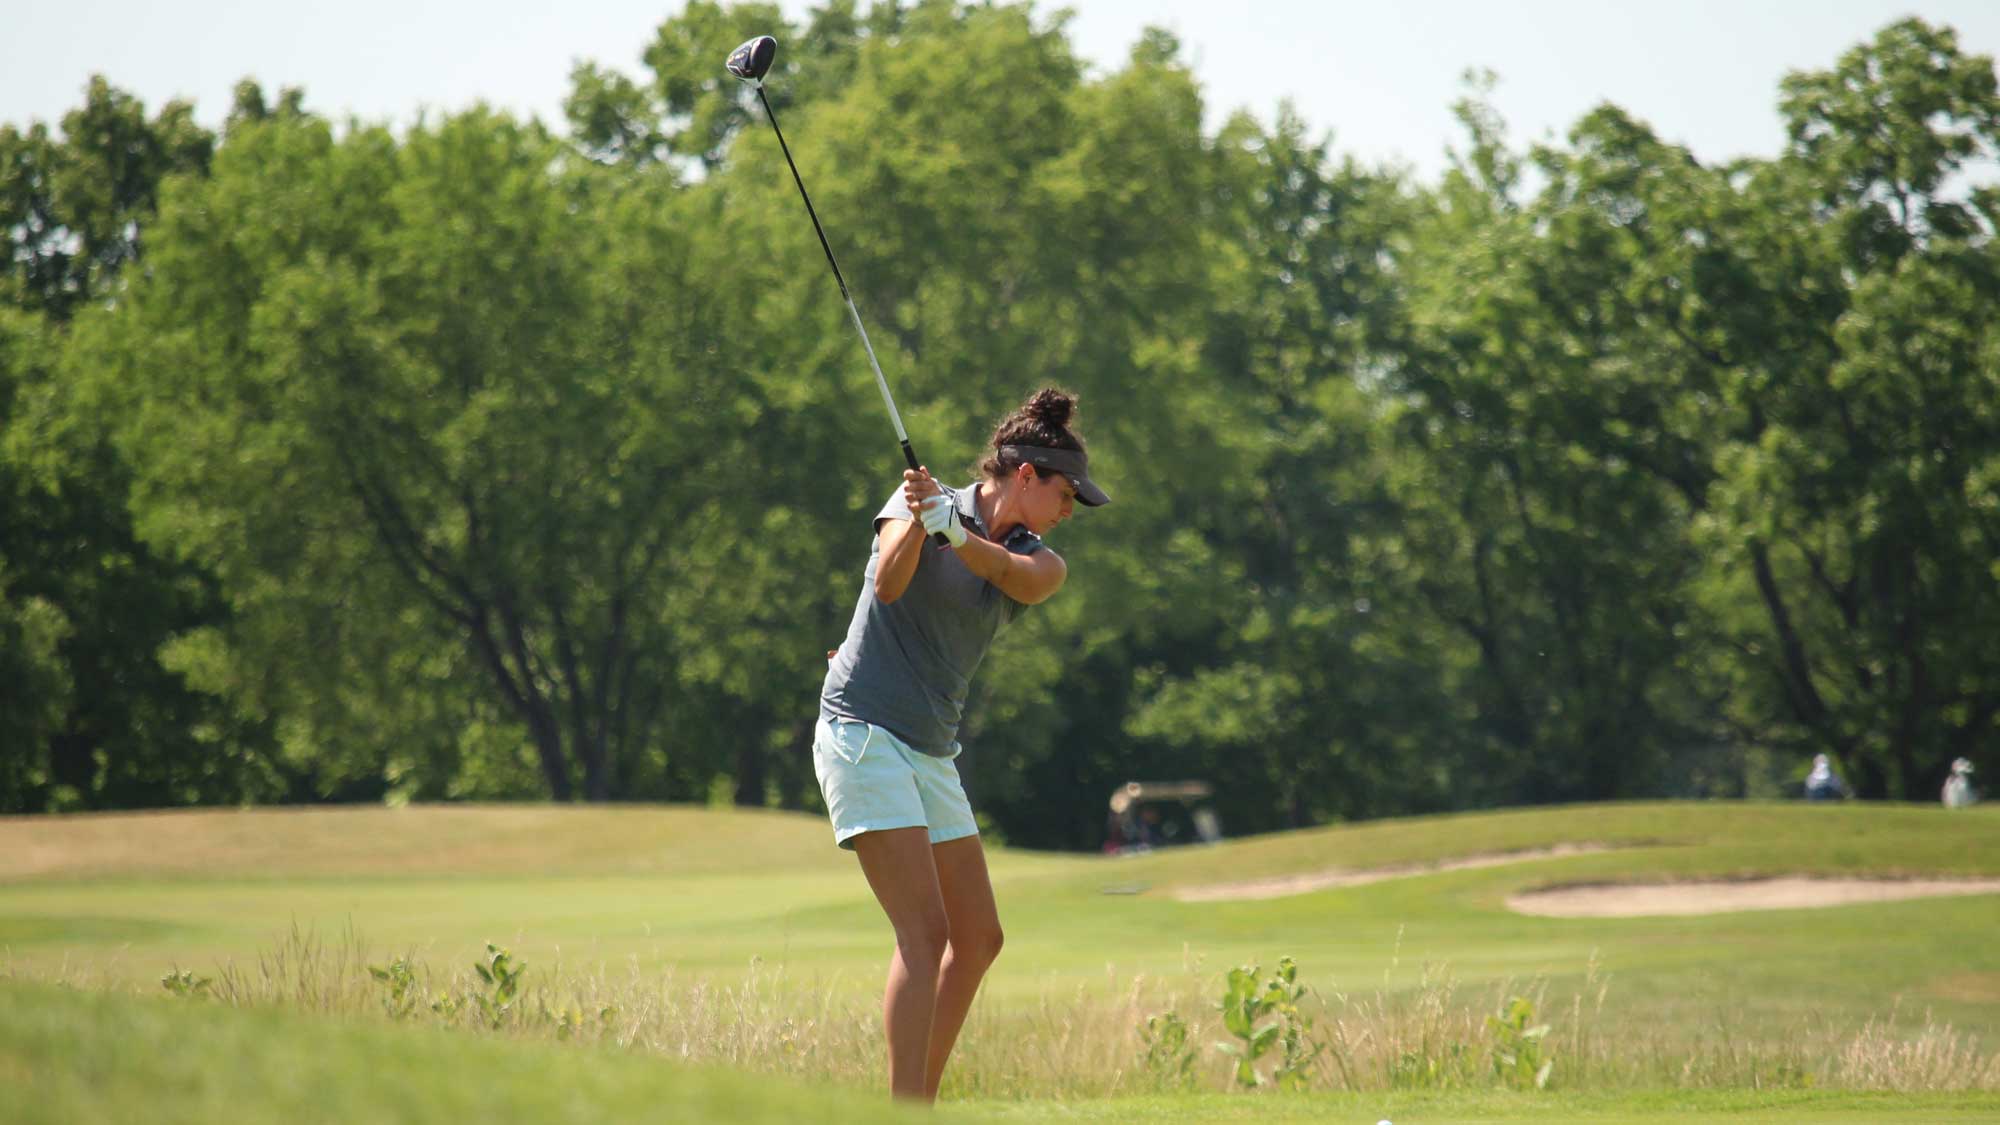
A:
1644	900
1283	885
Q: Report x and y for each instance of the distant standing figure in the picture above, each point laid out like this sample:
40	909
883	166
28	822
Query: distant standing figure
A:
1822	784
1958	791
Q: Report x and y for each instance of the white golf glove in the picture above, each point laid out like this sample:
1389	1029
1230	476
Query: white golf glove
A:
940	516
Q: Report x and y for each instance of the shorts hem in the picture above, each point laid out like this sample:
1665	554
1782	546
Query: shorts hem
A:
845	836
958	832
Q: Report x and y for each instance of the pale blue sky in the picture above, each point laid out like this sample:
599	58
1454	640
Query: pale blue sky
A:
1380	76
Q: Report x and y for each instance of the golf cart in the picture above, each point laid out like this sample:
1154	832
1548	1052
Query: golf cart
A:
1156	814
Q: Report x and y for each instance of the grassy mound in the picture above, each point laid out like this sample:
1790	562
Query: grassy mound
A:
418	840
1650	842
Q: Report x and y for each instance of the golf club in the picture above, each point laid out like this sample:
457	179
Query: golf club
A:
751	62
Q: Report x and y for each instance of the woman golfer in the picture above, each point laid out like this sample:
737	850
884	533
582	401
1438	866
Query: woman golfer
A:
890	707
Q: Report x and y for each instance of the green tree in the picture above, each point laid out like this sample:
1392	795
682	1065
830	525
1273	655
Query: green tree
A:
1536	533
35	684
73	207
76	206
1764	387
1855	488
691	107
429	409
1298	687
35	693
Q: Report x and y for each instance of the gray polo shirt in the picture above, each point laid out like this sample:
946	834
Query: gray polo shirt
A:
905	666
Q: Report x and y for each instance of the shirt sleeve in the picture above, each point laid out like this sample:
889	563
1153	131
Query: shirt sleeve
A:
897	508
1023	542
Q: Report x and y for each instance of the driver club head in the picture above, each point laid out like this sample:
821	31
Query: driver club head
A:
750	61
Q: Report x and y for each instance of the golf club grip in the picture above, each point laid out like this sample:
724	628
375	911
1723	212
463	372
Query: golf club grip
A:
910	455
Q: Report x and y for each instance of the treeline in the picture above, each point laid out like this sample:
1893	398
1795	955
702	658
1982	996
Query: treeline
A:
473	460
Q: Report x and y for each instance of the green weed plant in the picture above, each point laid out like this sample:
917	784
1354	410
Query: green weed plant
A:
1443	1066
183	982
401	991
502	977
1263	1014
1168	1056
1519	1058
499	975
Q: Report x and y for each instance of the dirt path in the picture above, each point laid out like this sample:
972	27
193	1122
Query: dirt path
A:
1645	900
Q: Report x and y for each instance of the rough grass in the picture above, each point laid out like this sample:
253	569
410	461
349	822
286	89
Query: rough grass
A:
1086	1042
67	1056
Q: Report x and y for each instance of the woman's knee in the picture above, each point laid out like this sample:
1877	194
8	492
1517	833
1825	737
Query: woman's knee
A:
923	939
977	944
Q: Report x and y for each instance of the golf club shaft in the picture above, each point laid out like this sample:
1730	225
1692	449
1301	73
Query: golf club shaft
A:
881	381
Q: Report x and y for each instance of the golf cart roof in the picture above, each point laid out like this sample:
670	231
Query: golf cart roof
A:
1134	792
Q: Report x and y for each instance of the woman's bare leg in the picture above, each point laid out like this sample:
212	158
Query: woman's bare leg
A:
974	925
904	877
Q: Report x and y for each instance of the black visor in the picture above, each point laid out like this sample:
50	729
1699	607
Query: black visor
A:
1072	463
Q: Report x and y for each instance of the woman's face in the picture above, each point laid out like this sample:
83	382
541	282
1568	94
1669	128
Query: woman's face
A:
1045	501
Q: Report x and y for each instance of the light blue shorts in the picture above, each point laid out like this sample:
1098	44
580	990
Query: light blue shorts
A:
873	781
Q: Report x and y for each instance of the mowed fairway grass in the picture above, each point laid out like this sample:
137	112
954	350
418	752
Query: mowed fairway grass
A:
700	898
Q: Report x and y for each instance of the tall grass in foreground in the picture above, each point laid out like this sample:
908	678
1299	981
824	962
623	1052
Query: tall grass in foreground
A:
1092	1040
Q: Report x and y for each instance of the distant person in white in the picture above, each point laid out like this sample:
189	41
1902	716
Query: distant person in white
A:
1958	791
1822	784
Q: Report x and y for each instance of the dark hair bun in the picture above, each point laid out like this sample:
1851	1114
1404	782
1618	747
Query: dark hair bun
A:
1043	421
1050	407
